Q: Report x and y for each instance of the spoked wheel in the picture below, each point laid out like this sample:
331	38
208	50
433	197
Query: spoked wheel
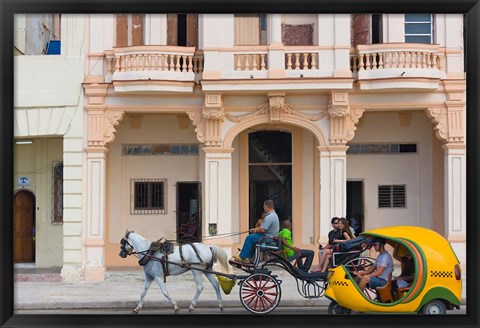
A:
335	308
359	264
434	307
260	293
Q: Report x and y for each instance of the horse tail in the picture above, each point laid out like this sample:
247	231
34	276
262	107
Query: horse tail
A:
221	256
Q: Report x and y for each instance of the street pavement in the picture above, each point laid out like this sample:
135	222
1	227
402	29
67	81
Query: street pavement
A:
121	290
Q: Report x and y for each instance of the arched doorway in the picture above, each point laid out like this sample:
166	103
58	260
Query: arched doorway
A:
270	172
24	227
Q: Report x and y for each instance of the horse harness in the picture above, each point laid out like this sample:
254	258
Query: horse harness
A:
166	247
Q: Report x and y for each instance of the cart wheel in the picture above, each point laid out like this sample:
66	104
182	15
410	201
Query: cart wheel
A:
434	307
335	308
260	293
359	264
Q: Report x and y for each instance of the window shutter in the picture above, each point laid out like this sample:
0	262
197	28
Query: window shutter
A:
247	30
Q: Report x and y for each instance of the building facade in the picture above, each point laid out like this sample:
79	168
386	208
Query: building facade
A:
180	126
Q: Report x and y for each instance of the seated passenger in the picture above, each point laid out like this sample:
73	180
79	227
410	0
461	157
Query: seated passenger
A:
323	251
405	258
293	252
341	235
377	275
269	228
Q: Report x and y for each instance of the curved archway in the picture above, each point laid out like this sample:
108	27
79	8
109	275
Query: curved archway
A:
286	119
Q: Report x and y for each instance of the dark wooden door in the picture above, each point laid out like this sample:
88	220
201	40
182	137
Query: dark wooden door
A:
189	211
24	224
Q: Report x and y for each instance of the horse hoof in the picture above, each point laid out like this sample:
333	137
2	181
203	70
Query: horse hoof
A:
177	310
221	309
190	309
135	311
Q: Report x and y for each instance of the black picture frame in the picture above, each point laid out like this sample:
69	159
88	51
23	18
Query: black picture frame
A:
8	8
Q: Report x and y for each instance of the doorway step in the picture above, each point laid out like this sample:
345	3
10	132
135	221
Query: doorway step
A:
29	273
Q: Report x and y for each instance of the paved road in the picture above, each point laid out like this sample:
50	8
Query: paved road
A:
227	311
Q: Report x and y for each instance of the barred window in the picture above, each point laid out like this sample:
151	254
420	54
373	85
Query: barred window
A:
392	196
57	193
149	196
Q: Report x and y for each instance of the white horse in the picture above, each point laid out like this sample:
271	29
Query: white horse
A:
154	269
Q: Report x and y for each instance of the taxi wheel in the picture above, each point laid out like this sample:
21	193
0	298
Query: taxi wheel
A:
434	307
335	308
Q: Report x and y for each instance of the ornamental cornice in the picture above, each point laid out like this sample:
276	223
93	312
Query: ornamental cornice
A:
448	123
214	114
196	117
338	111
101	128
276	107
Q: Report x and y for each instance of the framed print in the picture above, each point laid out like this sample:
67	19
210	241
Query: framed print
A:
254	163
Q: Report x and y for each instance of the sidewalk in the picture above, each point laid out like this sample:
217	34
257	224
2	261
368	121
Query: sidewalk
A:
121	290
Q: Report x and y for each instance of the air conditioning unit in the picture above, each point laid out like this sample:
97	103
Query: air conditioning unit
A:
53	47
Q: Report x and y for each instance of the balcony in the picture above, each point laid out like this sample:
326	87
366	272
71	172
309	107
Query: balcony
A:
398	65
276	67
154	68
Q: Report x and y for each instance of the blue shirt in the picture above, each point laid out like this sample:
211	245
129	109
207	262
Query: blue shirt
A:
271	224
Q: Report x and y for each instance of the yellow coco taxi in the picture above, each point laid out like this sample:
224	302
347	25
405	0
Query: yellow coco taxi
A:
435	283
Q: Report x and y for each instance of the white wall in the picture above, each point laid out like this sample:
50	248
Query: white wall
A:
413	170
154	129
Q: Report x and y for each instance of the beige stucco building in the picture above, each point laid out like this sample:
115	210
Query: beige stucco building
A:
158	119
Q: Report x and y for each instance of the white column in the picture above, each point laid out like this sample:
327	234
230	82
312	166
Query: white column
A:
342	46
218	194
326	38
333	182
215	60
73	197
275	29
454	46
95	223
455	199
276	52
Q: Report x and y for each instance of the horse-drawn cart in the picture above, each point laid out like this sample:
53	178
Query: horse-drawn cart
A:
260	290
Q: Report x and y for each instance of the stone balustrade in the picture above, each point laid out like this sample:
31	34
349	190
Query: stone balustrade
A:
251	61
153	59
301	60
396	55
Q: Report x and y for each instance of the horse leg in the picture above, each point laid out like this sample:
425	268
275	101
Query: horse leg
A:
197	275
163	288
146	285
214	282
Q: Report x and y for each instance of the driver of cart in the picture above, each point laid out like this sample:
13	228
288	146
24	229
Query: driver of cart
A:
269	228
292	252
377	275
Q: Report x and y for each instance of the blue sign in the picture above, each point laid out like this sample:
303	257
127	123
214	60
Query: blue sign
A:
23	181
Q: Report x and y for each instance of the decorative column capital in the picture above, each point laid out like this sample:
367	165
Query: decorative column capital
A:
212	117
448	123
343	120
101	128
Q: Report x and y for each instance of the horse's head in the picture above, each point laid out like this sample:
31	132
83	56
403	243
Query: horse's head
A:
125	247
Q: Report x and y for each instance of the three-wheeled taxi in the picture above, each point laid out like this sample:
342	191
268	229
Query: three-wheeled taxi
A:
435	287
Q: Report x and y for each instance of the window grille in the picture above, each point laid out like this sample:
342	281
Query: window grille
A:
148	196
57	193
392	196
419	28
381	148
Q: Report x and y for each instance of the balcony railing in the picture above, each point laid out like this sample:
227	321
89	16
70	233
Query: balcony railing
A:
397	55
154	63
301	60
